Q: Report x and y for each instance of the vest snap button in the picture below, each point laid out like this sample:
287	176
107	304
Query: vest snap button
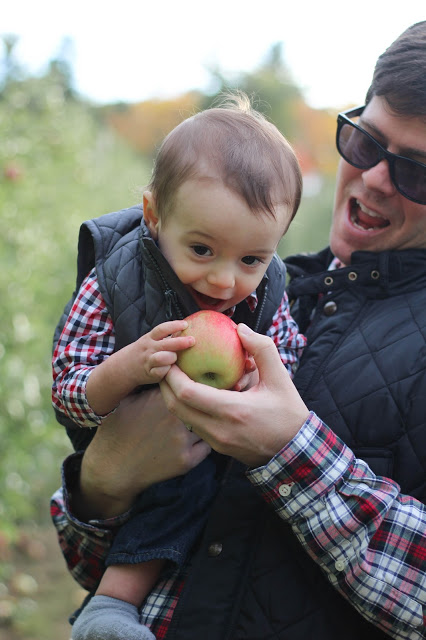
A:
328	280
214	549
352	275
330	308
375	274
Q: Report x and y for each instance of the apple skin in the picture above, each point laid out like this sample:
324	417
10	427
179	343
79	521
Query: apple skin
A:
217	357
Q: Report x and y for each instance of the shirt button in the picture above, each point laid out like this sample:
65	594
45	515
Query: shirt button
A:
285	489
214	549
339	565
330	308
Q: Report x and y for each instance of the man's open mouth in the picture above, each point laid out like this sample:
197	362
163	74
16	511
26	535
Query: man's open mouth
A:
366	219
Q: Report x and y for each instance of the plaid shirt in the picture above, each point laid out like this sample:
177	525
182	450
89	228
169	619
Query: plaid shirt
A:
88	338
369	540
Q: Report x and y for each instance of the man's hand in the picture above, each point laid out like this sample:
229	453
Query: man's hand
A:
251	426
140	444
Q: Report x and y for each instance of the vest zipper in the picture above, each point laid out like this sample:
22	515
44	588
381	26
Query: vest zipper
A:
169	295
171	301
262	306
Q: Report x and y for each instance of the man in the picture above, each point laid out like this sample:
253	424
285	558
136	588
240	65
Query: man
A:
346	485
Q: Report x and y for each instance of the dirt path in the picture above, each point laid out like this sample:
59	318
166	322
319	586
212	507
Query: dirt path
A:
36	592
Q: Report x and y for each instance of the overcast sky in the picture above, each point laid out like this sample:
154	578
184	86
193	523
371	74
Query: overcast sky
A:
134	50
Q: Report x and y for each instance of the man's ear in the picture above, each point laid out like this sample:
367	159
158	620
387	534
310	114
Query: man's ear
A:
150	216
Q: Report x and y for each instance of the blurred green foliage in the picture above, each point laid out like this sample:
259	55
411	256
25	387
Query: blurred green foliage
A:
60	165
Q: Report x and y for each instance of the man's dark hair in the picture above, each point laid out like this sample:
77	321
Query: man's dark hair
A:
400	73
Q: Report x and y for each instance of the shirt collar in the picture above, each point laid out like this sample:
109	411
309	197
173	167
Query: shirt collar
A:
251	301
335	264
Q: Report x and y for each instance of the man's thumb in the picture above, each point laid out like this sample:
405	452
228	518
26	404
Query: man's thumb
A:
262	349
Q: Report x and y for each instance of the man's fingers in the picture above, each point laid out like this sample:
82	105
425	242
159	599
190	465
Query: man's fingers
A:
199	396
200	450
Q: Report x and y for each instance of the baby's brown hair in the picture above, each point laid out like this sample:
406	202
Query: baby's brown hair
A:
242	148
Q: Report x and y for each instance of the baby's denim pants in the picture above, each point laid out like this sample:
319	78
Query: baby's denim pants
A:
167	518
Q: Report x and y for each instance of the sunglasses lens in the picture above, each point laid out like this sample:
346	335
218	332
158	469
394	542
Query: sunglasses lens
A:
357	148
410	179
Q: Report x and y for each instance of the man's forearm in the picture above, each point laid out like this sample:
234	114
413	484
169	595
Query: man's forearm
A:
365	536
98	495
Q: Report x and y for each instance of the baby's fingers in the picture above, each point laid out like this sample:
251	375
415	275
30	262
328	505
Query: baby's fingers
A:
166	329
176	343
161	359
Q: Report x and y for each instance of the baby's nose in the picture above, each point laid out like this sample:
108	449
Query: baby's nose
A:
221	278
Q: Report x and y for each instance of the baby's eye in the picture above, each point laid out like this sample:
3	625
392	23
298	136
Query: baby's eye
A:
251	260
201	250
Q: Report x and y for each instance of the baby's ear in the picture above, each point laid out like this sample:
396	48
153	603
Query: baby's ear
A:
150	216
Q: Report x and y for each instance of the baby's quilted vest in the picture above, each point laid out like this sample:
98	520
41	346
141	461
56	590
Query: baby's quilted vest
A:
141	290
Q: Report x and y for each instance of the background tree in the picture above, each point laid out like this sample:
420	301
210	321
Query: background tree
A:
271	87
9	66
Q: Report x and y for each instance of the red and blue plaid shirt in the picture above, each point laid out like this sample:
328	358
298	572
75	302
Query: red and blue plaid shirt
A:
369	540
88	338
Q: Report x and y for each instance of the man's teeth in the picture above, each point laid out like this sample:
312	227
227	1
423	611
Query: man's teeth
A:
365	209
372	214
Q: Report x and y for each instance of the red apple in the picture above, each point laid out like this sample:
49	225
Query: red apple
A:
12	172
217	357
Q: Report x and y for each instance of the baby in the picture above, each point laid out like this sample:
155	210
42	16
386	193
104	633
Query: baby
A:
225	187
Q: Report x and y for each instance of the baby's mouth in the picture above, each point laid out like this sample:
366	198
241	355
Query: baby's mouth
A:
366	219
205	301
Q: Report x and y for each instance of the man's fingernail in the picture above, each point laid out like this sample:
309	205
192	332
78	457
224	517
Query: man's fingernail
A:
243	328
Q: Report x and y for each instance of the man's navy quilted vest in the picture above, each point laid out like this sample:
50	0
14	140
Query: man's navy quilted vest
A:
364	373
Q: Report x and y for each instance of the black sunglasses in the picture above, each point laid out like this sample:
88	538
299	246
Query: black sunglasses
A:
362	151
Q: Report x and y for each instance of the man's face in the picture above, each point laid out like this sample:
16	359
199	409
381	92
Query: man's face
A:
369	213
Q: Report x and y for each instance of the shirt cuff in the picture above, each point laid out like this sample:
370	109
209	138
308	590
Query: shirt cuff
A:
91	418
70	480
308	467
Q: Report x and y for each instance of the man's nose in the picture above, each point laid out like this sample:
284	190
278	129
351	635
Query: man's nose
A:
378	178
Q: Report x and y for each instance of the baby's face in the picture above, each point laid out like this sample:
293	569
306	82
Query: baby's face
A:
216	245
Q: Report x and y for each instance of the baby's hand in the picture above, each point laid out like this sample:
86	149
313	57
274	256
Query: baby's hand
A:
250	377
155	352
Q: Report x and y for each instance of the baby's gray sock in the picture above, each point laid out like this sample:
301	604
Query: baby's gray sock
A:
106	618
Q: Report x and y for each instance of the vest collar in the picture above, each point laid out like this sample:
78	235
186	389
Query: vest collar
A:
376	274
